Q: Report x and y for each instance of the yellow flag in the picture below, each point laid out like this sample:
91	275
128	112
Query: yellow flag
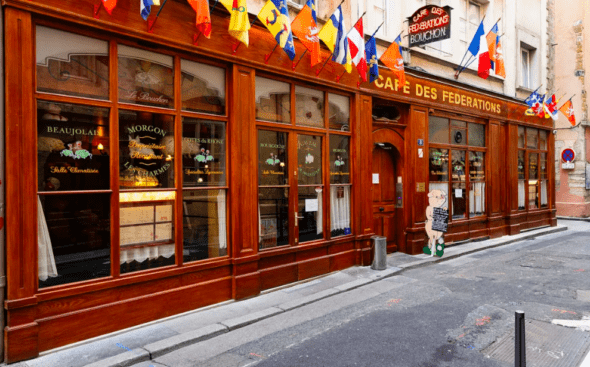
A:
239	23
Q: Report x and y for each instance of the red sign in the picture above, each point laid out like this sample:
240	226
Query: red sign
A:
430	23
568	155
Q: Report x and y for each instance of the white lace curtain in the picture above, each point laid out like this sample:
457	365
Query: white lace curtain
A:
543	192
521	199
319	216
221	219
477	198
339	208
47	266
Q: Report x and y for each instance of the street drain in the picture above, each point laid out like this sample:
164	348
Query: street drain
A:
546	346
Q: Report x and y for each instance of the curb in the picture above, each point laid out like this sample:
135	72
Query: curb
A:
165	346
573	218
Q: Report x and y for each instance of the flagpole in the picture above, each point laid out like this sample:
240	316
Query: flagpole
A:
377	30
267	56
152	23
297	63
473	58
322	68
459	70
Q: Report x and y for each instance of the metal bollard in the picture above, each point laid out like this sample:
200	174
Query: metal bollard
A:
519	342
380	258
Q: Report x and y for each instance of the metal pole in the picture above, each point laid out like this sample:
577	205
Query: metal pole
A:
519	342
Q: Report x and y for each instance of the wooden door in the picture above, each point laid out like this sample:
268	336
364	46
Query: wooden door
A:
384	199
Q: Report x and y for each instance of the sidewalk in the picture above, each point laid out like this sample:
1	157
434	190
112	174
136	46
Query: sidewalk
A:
149	341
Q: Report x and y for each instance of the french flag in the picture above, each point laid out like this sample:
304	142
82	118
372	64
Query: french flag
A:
479	48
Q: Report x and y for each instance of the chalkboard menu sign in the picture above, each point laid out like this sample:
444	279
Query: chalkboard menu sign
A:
440	219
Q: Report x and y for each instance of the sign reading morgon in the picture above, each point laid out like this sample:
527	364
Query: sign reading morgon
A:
430	23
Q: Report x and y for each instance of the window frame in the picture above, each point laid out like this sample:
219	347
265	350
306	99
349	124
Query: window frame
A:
525	80
451	147
114	105
294	131
527	152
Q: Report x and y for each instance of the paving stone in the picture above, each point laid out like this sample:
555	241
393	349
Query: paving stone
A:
178	341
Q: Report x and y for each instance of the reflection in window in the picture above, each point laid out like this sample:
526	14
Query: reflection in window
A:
339	112
74	238
146	230
145	77
272	158
439	170
203	152
309	107
543	139
458	165
203	87
532	138
478	185
71	64
339	210
204	224
339	159
543	181
72	147
477	136
458	132
309	159
146	144
310	213
273	100
273	211
521	179
438	130
521	137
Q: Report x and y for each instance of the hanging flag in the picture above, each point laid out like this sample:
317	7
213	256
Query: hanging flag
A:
539	109
533	99
203	17
239	23
499	69
475	44
393	59
278	24
568	110
492	40
551	107
305	27
332	33
484	66
356	43
109	5
145	8
371	52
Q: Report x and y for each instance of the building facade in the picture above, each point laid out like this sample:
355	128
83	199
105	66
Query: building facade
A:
573	47
156	171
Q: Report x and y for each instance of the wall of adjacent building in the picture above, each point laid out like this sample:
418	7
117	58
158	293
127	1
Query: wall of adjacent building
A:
571	32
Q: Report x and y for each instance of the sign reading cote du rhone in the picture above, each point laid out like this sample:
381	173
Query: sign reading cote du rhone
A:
430	23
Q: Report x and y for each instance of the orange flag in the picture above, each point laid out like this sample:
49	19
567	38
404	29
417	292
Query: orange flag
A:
392	58
305	27
109	5
568	110
500	60
203	22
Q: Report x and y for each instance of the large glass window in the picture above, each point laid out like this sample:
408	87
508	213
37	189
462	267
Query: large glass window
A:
78	165
458	147
532	169
295	204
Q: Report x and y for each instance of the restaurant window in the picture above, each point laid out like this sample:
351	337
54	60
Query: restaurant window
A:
76	161
457	165
302	191
532	169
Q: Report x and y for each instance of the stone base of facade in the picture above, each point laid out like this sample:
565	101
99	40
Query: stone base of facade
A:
581	210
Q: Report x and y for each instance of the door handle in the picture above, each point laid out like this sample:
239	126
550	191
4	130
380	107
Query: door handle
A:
297	217
381	209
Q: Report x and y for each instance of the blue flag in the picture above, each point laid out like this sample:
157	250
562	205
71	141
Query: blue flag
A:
372	60
476	41
285	36
146	8
533	99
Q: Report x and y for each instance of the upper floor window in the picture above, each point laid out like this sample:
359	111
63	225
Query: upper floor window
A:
525	68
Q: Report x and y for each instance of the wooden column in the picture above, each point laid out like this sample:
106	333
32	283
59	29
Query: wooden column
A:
418	175
511	163
21	332
243	191
551	175
496	178
364	188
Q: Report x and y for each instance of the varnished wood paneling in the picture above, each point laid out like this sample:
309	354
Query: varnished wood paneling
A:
364	188
21	178
57	331
342	261
419	171
21	342
277	276
312	268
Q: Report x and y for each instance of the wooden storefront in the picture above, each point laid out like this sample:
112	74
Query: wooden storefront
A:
281	175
